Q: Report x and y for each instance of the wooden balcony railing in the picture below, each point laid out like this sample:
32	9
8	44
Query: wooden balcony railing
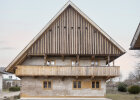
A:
67	71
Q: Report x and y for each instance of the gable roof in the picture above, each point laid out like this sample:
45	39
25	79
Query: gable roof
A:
23	53
135	44
2	70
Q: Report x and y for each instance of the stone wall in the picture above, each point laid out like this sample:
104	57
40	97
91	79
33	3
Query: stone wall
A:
33	87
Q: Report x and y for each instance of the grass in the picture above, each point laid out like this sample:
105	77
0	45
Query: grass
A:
121	96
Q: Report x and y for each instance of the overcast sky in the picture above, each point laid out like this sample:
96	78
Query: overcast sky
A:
21	20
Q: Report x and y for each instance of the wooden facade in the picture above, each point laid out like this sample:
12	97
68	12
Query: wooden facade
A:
67	71
72	34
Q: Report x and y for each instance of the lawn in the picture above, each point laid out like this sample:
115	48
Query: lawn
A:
122	96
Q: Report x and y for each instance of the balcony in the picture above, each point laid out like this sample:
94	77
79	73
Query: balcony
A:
67	71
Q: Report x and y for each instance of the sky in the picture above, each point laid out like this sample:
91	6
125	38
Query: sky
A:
21	20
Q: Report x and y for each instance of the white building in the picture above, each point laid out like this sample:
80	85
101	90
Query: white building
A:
7	79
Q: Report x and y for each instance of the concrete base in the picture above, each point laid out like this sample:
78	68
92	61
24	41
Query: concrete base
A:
64	99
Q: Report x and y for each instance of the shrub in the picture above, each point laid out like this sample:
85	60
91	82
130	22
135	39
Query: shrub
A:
14	89
134	89
122	87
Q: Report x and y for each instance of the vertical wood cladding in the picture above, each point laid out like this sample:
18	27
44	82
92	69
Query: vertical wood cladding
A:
70	33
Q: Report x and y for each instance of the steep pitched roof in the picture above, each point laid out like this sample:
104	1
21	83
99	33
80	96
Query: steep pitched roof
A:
135	44
23	53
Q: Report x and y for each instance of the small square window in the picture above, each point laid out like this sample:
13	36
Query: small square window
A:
52	62
95	84
48	63
47	85
76	84
75	63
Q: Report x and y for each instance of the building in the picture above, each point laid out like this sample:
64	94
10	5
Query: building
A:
1	78
69	58
8	80
135	44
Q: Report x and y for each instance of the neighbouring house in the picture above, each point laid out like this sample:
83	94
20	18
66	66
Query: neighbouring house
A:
1	78
69	58
135	45
8	79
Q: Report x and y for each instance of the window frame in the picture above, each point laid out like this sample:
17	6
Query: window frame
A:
77	81
47	84
96	63
50	62
95	84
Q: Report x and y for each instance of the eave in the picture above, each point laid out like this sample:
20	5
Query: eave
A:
135	44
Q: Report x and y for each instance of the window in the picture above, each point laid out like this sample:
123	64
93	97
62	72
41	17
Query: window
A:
95	84
76	84
47	84
10	77
50	63
92	63
95	63
75	63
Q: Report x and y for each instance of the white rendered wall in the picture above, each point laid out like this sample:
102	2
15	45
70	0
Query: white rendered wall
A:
60	62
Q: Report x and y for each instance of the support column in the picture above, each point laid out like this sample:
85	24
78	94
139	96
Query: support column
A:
77	59
108	58
113	62
45	59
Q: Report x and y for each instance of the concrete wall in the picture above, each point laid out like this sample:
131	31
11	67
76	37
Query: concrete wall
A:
59	62
32	86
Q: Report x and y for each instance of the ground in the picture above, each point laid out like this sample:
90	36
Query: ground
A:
122	96
8	94
113	96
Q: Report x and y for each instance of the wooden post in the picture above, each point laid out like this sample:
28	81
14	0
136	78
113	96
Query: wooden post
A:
77	59
108	58
63	57
76	77
113	63
45	59
92	77
92	57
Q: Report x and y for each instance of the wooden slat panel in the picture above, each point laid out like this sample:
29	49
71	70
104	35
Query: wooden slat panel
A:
70	33
66	71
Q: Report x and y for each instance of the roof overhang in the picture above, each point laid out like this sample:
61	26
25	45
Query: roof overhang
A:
135	44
